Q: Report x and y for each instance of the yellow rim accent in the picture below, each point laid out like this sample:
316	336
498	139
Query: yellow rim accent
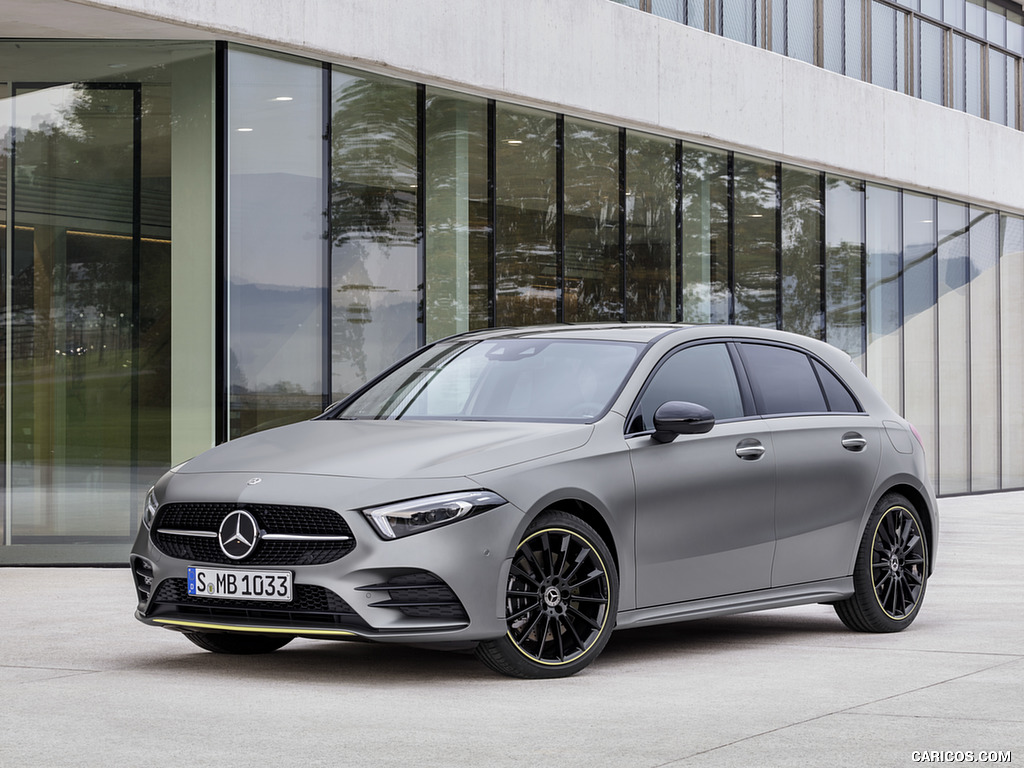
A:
259	630
603	567
874	586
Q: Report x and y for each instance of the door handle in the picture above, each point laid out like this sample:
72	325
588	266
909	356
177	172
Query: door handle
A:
749	449
854	441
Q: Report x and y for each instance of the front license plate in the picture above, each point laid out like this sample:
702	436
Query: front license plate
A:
240	585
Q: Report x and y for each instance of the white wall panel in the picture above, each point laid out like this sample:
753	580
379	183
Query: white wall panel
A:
600	59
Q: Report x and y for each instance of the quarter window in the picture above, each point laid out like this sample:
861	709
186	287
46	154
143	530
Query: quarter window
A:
703	374
838	396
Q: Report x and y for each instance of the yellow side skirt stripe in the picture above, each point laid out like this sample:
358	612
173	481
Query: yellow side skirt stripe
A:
260	630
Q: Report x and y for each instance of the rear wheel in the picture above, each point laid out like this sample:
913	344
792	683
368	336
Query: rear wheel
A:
222	642
560	602
891	571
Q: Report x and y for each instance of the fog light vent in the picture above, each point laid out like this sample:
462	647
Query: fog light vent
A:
421	595
142	570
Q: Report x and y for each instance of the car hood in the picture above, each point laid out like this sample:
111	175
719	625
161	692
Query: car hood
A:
390	449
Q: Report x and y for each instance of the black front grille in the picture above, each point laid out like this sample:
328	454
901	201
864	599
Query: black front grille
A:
310	605
271	518
420	594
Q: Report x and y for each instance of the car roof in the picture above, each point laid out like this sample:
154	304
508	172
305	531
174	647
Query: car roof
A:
660	333
635	332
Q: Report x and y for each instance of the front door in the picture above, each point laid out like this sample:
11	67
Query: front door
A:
704	503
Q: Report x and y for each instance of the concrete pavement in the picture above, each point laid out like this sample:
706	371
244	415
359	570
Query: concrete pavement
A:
84	684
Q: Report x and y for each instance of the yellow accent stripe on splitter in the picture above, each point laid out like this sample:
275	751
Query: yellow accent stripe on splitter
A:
258	630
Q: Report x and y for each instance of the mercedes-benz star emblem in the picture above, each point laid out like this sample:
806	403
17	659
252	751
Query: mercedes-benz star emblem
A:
238	534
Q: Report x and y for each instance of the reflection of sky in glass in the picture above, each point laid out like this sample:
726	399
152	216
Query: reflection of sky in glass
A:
275	169
49	106
918	253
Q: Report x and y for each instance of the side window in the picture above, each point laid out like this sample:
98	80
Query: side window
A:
783	380
838	396
703	374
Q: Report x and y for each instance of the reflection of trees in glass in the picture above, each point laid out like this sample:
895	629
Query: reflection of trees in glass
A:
73	276
650	228
374	289
525	227
457	211
593	266
705	213
844	264
755	198
90	311
801	252
79	165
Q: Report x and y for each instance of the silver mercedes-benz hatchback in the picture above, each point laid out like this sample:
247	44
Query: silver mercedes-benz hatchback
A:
524	492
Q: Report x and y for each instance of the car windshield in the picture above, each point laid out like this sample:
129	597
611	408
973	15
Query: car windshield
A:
511	379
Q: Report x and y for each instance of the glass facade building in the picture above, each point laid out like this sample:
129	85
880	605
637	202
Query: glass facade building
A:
200	240
962	54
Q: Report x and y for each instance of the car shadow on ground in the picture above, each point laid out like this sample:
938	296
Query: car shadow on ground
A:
307	661
716	635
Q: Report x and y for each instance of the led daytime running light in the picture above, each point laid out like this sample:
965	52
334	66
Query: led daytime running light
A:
149	512
393	521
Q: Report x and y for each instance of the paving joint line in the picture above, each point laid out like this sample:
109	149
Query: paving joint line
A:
844	711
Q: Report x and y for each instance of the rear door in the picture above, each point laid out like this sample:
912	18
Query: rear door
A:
827	452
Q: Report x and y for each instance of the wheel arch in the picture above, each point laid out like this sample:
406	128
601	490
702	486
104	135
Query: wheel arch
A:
925	511
592	517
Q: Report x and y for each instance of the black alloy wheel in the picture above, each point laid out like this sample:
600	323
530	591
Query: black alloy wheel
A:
891	572
560	602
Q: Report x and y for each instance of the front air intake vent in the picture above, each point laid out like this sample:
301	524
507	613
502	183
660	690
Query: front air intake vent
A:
313	606
421	595
142	571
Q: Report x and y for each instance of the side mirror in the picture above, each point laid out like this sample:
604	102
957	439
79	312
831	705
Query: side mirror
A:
676	418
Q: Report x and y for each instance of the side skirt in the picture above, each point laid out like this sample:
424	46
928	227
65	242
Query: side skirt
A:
745	602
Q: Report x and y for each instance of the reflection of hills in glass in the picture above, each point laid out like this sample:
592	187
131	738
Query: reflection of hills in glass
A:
273	355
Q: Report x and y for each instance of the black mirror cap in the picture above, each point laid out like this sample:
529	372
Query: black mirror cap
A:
676	418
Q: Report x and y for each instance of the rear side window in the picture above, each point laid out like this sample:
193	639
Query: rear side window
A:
788	380
783	380
703	374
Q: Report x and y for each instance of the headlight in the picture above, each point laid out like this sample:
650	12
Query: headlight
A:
149	512
393	521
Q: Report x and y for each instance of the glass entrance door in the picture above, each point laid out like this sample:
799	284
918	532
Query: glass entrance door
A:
71	360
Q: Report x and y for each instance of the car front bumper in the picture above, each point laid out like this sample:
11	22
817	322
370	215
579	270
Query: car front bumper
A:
443	586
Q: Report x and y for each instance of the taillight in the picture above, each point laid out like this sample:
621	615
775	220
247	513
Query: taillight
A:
916	434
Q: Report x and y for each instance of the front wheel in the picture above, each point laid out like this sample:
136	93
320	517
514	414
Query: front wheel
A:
223	642
560	602
891	570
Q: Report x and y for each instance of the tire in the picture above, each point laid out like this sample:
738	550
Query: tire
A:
891	571
561	600
222	642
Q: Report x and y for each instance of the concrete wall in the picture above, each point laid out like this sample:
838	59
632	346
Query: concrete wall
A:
599	59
